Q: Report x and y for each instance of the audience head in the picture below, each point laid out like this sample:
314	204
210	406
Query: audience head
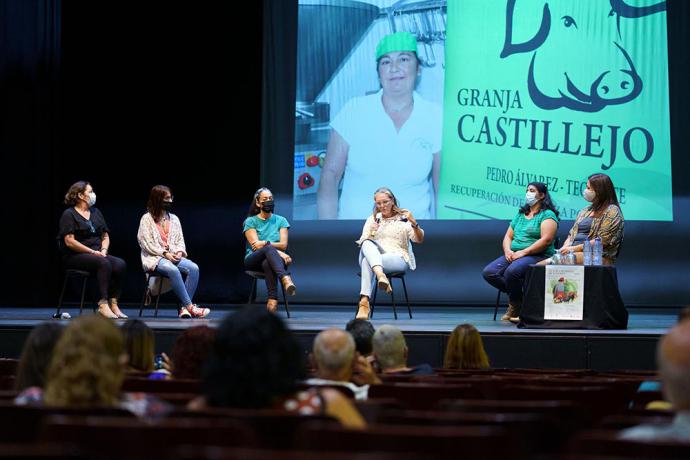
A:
36	355
333	352
255	361
139	344
673	357
465	349
389	347
88	363
362	331
684	314
191	350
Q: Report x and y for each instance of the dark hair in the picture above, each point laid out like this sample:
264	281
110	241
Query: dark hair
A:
684	314
140	345
255	361
72	195
191	350
545	203
36	355
605	193
362	331
156	198
253	208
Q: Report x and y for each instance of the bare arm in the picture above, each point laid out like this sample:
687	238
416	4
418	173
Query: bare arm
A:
76	246
283	244
331	173
507	241
342	409
105	243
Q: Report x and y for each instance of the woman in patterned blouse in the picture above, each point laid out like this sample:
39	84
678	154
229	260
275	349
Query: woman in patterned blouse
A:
385	245
602	218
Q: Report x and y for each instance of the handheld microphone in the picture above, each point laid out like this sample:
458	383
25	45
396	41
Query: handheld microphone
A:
378	217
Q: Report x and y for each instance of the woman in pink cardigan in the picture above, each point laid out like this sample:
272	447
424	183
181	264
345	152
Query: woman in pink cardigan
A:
163	251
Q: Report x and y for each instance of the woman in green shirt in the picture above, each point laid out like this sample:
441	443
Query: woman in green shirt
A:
267	240
528	240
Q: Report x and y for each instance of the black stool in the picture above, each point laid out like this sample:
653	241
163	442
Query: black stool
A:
147	291
498	300
252	294
391	276
69	273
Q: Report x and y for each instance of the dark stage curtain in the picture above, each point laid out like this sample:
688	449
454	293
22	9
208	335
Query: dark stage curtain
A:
29	139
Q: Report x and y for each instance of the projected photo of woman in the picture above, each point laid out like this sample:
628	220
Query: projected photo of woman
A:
392	137
267	240
528	240
385	245
602	218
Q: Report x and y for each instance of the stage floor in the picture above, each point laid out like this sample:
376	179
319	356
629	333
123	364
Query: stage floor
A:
644	322
426	334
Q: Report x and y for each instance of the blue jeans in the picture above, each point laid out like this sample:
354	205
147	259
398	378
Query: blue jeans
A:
509	276
183	289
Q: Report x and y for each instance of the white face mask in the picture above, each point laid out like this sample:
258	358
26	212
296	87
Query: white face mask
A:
588	194
92	199
531	198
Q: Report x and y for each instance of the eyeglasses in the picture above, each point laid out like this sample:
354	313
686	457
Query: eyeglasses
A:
91	227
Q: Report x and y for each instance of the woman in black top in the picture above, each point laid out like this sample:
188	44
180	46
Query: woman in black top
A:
85	236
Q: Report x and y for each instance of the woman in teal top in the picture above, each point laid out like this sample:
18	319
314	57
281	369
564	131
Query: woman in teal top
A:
267	241
528	240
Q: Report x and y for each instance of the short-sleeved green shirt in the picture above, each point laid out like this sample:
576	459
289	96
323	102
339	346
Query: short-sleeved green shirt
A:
527	231
267	230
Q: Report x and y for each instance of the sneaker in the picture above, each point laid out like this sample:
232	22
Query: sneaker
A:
198	312
184	313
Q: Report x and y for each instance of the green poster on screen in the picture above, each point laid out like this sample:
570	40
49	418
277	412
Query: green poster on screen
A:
554	92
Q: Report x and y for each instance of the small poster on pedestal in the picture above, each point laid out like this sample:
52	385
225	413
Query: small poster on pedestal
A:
564	296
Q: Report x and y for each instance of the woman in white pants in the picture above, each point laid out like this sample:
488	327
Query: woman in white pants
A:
385	245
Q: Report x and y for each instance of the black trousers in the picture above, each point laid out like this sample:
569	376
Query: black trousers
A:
110	272
268	261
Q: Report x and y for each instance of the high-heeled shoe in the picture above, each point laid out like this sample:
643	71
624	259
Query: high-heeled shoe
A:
116	309
105	311
383	283
288	285
364	309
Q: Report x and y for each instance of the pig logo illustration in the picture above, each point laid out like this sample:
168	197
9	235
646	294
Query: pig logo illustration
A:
574	64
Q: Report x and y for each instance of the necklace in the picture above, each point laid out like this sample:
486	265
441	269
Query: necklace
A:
398	110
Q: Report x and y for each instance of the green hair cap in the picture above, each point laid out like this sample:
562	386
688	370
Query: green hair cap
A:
399	41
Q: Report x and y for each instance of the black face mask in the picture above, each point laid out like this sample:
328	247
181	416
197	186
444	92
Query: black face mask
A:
267	206
167	205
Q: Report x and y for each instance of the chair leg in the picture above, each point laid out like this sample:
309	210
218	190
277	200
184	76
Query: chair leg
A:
407	299
83	292
285	300
158	297
395	311
498	299
146	290
62	295
373	301
252	293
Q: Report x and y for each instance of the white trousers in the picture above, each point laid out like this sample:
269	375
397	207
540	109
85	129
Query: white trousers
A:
370	256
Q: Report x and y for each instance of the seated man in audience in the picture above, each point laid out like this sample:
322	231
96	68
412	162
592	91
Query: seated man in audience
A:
673	358
337	363
390	352
362	331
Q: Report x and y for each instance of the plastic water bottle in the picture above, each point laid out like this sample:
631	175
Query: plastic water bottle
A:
570	258
557	259
587	252
596	252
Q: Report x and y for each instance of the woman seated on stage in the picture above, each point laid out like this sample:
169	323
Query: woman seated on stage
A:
385	245
267	241
528	240
602	218
257	363
465	349
84	241
163	251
